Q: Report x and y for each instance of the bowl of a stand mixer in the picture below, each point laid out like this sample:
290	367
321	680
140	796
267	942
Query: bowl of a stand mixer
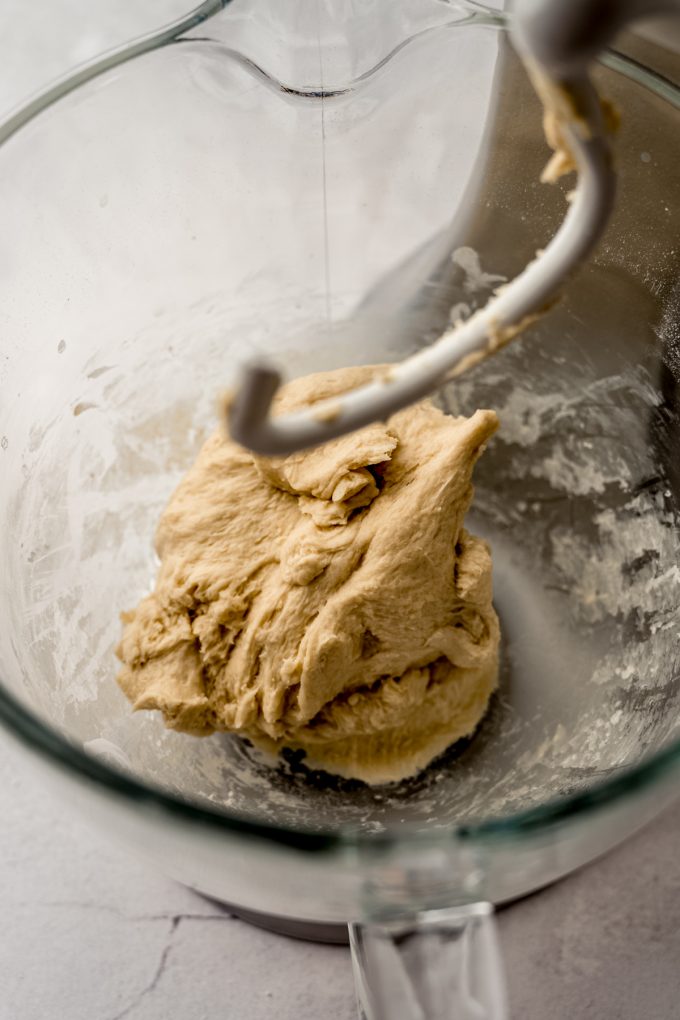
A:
192	206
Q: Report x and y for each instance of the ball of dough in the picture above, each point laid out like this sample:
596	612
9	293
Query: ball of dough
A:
330	601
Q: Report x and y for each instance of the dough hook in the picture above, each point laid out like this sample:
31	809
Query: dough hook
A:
557	41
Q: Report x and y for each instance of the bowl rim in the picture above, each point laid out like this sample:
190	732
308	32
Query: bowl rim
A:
55	749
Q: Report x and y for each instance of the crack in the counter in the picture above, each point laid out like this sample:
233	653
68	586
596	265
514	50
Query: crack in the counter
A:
175	921
107	908
157	975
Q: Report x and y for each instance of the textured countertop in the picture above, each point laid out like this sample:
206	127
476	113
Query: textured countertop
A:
89	933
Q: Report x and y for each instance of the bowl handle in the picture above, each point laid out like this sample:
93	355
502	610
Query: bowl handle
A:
435	965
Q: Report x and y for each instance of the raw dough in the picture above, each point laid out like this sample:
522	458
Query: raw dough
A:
330	601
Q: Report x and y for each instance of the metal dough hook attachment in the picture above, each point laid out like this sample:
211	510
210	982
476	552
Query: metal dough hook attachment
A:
557	41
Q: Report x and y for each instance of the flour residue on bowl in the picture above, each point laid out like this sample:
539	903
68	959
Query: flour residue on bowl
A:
575	494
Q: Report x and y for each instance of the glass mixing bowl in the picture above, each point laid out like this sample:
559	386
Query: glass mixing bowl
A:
323	187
